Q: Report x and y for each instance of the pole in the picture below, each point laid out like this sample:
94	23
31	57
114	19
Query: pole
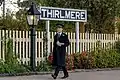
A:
32	62
77	36
48	37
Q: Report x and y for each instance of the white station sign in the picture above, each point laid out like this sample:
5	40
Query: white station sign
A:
63	14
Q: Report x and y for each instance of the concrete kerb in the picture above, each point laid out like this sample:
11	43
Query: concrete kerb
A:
45	73
94	70
24	74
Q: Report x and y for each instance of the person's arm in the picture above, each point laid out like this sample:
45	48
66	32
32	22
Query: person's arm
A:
67	42
54	44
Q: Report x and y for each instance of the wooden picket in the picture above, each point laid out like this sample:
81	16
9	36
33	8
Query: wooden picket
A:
21	43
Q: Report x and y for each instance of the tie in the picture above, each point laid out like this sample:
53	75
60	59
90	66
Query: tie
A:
58	36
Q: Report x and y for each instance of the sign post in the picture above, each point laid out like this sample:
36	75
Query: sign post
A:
77	36
63	14
48	36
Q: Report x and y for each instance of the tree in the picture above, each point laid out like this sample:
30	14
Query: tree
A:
21	14
1	1
14	21
9	23
24	4
101	13
104	12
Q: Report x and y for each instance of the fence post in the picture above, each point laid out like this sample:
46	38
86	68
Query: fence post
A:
77	37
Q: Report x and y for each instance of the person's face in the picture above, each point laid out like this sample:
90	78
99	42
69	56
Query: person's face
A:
59	29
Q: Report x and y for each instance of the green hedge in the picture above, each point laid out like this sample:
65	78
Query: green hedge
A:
97	58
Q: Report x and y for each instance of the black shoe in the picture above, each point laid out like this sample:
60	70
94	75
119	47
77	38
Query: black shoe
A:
64	77
54	77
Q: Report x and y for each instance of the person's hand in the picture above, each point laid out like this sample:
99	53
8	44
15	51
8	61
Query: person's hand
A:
59	44
62	43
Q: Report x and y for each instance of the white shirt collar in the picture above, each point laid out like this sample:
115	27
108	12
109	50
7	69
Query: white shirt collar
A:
59	33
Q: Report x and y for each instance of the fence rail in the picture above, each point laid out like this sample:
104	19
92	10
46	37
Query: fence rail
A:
21	43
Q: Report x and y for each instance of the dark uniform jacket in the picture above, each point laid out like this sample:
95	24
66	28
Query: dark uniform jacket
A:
59	52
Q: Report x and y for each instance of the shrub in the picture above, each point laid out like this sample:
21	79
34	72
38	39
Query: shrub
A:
79	61
105	58
11	63
97	58
44	66
70	61
117	46
83	60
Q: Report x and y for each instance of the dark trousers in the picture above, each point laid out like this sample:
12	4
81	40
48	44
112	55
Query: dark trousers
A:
58	68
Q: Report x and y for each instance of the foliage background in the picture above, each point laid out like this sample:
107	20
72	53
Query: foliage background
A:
101	15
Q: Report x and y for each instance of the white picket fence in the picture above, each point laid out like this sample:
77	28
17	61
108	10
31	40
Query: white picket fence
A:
21	43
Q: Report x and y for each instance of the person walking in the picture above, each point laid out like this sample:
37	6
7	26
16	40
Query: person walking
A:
61	41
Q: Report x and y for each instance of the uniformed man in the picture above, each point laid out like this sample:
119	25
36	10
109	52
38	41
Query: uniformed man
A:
61	41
